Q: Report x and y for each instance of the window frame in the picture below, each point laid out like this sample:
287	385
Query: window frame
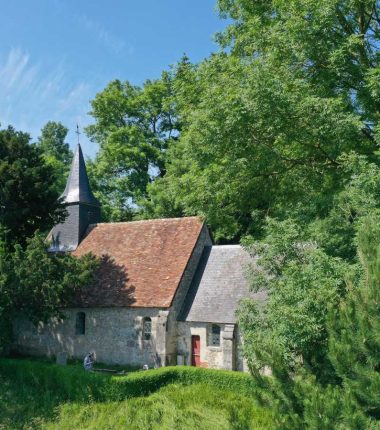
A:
147	329
215	338
80	323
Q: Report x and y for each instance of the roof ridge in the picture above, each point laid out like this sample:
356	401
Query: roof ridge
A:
234	245
147	220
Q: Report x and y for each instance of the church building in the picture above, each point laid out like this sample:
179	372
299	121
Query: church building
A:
163	293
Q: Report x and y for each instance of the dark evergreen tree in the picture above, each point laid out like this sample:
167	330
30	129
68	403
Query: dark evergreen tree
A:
346	393
354	346
28	199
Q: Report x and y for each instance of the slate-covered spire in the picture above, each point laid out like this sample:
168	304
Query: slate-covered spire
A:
82	206
78	187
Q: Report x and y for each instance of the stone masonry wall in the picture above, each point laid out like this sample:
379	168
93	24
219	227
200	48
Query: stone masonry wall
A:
114	334
210	356
171	338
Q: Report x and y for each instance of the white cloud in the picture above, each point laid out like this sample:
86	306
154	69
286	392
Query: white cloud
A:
104	36
15	72
31	95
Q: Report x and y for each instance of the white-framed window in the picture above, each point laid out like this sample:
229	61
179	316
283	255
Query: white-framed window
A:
147	328
215	335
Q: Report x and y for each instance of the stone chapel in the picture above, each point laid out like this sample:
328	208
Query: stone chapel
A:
163	294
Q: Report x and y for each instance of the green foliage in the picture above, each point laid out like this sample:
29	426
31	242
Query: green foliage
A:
36	284
354	328
52	142
256	139
266	126
333	44
184	397
359	196
301	281
133	127
342	392
28	199
56	151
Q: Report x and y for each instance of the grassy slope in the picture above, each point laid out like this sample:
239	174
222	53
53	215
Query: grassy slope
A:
43	396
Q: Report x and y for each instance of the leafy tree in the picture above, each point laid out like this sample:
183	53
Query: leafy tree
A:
264	126
28	199
344	393
336	232
56	151
52	142
255	141
301	281
332	44
37	284
133	127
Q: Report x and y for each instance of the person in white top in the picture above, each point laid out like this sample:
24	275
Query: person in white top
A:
88	361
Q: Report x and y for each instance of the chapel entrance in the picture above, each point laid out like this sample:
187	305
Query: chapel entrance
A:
195	351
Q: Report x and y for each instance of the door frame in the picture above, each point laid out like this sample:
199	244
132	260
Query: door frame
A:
195	337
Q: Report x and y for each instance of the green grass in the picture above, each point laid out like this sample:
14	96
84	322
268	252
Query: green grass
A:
40	395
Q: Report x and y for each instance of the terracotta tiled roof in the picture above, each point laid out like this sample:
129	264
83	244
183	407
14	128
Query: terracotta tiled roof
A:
142	262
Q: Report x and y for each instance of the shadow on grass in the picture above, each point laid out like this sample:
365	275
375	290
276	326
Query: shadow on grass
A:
32	390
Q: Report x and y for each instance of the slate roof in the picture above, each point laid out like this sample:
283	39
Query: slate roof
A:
77	187
218	286
142	261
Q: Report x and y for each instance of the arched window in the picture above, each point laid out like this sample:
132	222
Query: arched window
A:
147	328
80	323
215	335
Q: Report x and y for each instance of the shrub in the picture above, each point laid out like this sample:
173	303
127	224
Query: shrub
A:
73	383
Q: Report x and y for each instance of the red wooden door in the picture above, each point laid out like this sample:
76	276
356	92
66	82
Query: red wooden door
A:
195	351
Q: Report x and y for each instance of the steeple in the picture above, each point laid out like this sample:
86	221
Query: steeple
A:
78	187
82	206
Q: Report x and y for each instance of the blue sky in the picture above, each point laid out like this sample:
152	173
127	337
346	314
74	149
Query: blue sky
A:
55	55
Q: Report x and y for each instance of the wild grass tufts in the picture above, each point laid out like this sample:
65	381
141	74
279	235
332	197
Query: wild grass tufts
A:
39	395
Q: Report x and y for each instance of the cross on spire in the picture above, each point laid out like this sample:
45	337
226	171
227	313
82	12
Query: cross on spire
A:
78	133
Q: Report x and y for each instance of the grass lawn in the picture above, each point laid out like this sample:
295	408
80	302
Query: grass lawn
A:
44	396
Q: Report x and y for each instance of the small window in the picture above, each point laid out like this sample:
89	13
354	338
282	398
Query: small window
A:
80	323
147	328
215	335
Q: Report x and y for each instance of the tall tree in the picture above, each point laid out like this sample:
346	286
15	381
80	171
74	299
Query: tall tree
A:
56	151
52	142
331	44
255	140
349	397
354	341
28	199
133	127
264	125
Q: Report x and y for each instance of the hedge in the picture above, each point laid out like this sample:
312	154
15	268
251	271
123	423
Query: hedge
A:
73	383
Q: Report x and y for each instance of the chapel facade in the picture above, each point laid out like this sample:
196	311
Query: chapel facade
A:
163	293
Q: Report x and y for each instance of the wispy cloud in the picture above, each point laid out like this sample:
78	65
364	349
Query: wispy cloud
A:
109	40
31	95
